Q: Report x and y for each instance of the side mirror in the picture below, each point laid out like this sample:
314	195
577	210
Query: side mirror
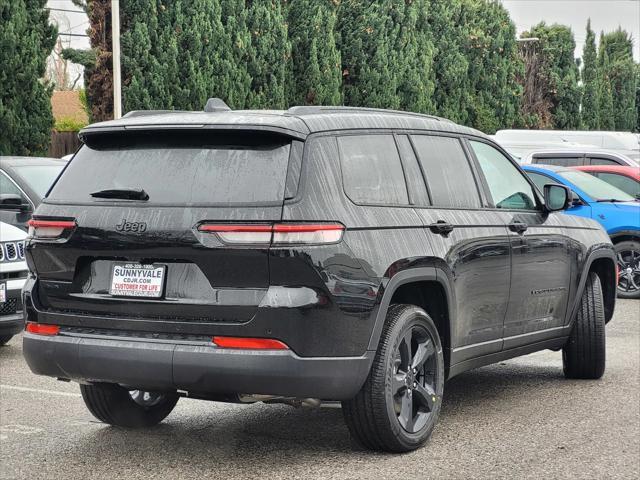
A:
11	201
556	197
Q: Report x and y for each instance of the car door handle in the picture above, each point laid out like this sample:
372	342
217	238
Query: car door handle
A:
441	228
518	227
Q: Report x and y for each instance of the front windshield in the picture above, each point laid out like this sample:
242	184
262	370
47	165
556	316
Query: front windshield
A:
594	187
39	177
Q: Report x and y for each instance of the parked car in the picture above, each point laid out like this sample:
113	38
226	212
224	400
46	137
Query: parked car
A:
625	143
615	210
13	273
520	150
626	179
574	157
24	181
318	253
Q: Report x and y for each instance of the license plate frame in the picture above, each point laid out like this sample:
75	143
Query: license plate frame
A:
140	289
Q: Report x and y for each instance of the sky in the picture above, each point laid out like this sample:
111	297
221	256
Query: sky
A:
605	15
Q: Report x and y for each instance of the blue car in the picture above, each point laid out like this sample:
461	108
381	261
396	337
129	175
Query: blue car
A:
617	211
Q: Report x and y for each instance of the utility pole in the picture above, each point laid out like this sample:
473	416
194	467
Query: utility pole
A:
115	44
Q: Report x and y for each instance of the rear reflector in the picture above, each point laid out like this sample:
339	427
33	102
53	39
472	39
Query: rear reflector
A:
42	329
249	343
49	228
280	233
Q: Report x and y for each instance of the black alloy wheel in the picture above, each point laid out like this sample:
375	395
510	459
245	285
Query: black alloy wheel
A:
628	259
415	379
399	404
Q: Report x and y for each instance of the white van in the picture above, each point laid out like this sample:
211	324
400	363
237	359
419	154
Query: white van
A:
621	142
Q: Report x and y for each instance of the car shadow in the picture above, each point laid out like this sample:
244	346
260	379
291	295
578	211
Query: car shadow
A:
255	433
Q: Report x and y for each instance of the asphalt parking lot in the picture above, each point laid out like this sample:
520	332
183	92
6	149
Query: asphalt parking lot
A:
517	419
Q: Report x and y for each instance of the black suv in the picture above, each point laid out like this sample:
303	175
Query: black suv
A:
314	254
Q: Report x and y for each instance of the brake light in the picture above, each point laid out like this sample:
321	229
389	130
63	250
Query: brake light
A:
279	233
49	228
249	343
42	329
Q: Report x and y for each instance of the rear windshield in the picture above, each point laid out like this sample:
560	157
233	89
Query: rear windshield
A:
180	168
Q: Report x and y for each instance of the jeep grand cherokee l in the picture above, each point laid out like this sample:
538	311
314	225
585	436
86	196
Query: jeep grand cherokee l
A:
318	253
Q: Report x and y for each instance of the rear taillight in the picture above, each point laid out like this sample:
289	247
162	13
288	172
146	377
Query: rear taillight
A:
278	234
316	233
42	328
49	229
234	233
249	343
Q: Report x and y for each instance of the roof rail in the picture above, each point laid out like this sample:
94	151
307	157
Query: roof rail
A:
143	113
318	109
216	105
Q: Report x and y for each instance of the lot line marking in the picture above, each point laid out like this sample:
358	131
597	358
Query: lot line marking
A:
39	390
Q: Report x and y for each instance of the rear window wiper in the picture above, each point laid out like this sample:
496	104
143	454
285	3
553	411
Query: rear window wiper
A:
122	193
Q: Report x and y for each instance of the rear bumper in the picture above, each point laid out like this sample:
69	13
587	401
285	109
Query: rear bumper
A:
11	324
196	368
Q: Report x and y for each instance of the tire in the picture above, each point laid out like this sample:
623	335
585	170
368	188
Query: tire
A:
583	356
4	339
628	258
377	417
116	406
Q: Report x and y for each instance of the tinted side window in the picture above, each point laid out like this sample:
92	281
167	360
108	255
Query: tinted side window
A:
508	186
559	161
371	170
604	161
448	172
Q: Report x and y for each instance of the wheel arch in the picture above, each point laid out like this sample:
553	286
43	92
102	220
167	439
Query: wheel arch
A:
425	287
625	235
603	263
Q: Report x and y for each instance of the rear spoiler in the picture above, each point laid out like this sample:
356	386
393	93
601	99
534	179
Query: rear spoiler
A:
87	133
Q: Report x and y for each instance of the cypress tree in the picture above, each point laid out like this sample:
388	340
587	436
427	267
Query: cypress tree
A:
413	53
367	68
559	71
607	119
148	56
234	21
590	101
269	56
446	24
619	69
494	65
25	102
315	69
